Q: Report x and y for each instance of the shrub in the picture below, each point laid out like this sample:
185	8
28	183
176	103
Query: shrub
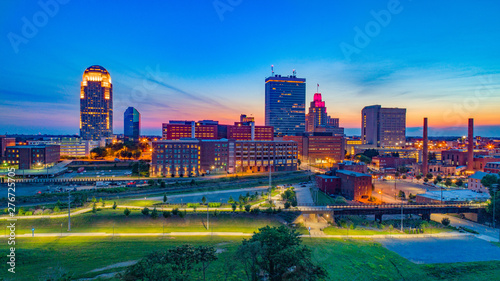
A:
445	221
114	205
28	213
233	207
287	205
175	211
94	209
182	214
166	214
126	212
214	205
145	211
154	213
247	208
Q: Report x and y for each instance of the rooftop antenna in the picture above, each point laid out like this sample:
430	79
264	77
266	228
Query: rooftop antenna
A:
317	88
272	69
294	73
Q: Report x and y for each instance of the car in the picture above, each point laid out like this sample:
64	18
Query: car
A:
39	192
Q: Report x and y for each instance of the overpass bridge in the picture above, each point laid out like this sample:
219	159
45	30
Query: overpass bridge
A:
424	210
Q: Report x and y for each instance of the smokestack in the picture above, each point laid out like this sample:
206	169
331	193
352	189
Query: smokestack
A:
253	130
192	129
470	149
425	161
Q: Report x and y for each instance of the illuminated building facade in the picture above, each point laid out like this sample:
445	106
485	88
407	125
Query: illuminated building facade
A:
132	124
285	104
319	147
317	116
195	157
383	127
4	142
96	104
175	130
32	156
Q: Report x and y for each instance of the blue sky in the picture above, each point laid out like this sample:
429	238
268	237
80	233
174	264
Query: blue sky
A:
208	59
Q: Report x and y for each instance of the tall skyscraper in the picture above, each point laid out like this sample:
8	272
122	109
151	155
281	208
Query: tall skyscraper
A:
383	127
96	104
286	104
317	120
132	124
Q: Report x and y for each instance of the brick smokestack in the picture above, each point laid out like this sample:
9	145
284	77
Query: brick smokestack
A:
425	160
470	148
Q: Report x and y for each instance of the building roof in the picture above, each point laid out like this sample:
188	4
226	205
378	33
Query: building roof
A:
327	177
352	173
480	175
32	146
456	195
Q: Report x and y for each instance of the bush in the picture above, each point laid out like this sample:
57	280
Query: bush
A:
126	212
145	211
28	213
56	209
287	205
214	205
154	213
114	205
182	214
175	211
166	214
94	209
445	221
247	208
233	207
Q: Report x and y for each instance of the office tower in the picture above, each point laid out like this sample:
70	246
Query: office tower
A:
470	146
246	119
425	161
317	116
96	104
132	124
285	104
383	127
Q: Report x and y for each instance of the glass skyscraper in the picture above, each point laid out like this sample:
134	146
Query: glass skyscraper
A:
96	104
286	104
132	124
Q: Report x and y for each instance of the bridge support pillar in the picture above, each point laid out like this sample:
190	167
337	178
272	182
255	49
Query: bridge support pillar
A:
378	217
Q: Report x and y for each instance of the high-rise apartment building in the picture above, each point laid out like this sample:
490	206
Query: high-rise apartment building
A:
383	127
132	124
96	104
285	104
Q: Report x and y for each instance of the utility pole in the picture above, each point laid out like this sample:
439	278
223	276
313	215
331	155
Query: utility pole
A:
270	181
69	211
208	223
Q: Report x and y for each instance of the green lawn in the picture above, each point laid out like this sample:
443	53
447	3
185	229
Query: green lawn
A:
343	259
104	220
333	230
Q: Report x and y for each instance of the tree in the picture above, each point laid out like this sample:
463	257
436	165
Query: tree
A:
126	212
247	208
445	221
94	209
165	198
175	211
175	264
459	183
98	152
489	180
151	182
114	205
404	177
145	211
418	177
287	205
278	251
163	184
436	181
56	209
370	153
363	158
439	178
230	200
166	214
233	207
93	199
447	182
426	179
203	200
154	213
429	176
205	255
401	194
103	203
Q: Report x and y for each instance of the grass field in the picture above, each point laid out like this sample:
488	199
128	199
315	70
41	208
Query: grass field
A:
344	259
104	220
333	230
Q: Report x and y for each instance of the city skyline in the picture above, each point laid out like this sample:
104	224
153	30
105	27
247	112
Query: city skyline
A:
447	77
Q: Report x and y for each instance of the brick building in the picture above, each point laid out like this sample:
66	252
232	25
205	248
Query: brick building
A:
458	157
318	147
32	156
385	162
4	143
355	186
329	184
492	167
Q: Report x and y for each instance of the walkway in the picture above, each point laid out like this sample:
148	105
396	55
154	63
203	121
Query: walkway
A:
485	232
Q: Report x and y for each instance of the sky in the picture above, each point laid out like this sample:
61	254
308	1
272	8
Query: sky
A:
195	60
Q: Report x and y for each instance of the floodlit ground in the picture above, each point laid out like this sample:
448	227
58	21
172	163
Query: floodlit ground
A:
444	250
